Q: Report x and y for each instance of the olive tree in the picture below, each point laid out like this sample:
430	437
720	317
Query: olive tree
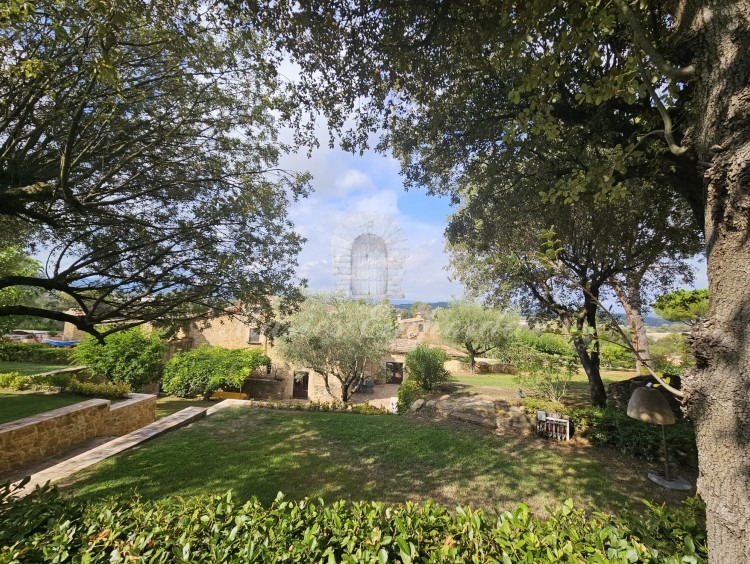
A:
475	328
338	338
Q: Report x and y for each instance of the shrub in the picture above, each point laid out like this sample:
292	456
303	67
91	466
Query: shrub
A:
613	428
103	390
47	381
425	365
550	343
14	381
62	382
547	375
132	356
408	393
34	352
616	356
42	527
368	409
202	371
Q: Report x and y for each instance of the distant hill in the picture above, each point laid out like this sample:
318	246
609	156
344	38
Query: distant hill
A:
407	305
651	320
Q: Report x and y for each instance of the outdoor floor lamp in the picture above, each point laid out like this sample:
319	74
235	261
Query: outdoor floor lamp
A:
650	406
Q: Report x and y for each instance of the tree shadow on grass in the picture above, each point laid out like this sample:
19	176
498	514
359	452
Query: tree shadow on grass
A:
356	457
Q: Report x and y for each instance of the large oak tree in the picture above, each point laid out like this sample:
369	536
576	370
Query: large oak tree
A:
138	146
686	64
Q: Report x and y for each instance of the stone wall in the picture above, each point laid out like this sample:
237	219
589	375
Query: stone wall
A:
267	389
31	439
317	388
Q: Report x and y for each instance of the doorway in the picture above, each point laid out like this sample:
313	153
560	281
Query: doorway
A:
394	372
301	381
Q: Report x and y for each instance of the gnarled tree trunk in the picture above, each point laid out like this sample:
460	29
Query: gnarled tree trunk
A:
630	300
588	354
718	390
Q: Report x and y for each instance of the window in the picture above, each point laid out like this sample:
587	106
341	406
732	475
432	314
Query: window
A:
254	337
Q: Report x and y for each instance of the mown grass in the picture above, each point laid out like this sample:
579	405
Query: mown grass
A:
28	368
361	457
17	405
168	405
507	384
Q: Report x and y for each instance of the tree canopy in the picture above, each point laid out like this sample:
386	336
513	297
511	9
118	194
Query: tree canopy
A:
138	144
687	306
14	262
338	338
475	328
674	73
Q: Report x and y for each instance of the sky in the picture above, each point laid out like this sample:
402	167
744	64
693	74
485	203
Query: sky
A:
345	185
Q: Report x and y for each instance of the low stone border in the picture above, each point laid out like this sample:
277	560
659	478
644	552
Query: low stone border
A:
28	440
502	416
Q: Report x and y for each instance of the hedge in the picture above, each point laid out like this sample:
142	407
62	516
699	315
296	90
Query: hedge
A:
44	527
202	371
62	382
34	352
133	356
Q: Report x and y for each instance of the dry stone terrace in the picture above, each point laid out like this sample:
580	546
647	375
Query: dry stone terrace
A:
31	439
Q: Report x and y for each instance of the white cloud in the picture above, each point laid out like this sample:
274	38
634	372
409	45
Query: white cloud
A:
354	179
383	201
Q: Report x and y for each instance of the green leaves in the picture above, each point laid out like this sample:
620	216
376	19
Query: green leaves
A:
140	143
338	338
425	365
202	371
688	306
133	356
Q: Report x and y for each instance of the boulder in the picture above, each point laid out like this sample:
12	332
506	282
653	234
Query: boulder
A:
417	405
512	420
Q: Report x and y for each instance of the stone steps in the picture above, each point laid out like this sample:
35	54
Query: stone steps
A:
102	452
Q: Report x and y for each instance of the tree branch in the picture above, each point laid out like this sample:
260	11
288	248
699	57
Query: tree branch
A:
647	45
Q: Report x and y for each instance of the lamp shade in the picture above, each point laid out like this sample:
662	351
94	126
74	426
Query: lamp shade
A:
650	406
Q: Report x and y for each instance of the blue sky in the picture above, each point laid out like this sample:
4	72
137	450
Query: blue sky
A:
345	185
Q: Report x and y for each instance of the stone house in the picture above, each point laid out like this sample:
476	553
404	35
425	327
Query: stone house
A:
283	381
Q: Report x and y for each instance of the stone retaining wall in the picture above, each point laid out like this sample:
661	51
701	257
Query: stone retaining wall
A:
31	439
267	389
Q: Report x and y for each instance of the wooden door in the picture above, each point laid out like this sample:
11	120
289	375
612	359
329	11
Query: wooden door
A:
301	381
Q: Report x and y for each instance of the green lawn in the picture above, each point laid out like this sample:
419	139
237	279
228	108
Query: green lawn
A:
28	368
507	384
170	404
341	455
16	405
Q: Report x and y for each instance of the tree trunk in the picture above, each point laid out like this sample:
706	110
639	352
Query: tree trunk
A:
472	358
717	390
630	301
590	358
590	363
